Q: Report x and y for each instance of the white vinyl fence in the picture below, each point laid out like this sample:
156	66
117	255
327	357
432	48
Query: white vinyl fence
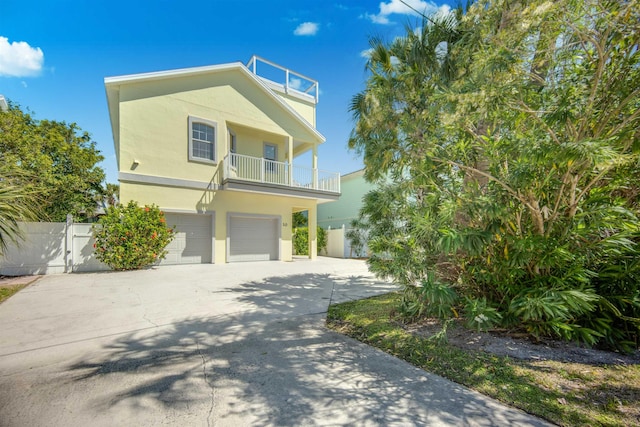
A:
339	246
336	243
50	248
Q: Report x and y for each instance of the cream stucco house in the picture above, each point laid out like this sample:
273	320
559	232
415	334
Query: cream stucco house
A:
216	147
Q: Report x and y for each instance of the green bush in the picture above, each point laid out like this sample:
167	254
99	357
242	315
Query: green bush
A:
132	237
322	239
301	240
431	298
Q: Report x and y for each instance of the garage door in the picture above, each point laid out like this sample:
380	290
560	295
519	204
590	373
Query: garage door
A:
192	243
253	239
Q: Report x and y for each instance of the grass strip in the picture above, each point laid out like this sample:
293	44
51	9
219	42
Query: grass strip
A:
8	291
568	394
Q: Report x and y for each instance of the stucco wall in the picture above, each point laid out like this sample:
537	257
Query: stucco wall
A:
336	214
306	109
154	122
175	199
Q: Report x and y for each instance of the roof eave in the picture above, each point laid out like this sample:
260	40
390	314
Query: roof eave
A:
112	85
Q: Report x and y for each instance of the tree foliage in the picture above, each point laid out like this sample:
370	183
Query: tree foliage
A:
131	237
17	203
61	158
298	219
357	236
301	240
508	136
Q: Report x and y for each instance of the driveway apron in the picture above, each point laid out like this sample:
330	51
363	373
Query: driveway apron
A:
214	345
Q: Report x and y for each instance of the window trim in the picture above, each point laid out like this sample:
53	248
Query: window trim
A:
193	120
233	146
264	148
269	167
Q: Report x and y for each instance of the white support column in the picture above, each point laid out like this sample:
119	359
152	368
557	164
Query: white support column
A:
290	159
312	223
314	166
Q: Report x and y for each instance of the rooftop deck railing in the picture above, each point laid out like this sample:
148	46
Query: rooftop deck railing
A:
290	81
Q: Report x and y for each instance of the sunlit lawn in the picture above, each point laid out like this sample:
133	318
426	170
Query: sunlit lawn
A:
569	394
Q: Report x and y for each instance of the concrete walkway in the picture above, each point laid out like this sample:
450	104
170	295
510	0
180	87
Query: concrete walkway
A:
203	345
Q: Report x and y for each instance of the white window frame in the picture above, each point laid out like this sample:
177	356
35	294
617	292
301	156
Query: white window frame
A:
193	120
233	146
269	167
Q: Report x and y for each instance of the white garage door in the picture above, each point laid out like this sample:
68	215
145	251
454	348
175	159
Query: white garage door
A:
192	243
253	239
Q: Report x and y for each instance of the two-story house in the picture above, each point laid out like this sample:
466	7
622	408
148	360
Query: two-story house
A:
215	148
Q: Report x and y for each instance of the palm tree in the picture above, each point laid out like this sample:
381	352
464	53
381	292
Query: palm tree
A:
404	74
18	202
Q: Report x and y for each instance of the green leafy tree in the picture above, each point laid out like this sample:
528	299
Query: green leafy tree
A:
299	219
132	237
62	158
508	138
112	194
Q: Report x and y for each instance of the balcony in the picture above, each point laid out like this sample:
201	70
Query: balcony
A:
242	172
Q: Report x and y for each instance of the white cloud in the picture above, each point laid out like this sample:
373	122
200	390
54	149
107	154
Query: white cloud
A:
412	7
307	29
366	54
18	59
303	85
295	83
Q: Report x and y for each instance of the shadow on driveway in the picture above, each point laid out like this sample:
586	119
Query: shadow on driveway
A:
276	364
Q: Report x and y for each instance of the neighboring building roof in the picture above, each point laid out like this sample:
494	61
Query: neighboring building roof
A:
3	104
112	85
354	174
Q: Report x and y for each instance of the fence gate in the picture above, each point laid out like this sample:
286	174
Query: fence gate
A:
51	248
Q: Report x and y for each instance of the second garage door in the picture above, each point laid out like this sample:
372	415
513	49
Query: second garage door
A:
253	239
193	239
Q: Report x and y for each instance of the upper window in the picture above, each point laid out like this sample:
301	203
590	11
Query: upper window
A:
233	147
202	140
271	154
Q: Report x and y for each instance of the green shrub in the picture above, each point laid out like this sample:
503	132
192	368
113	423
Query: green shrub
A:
132	237
322	239
431	298
479	315
301	240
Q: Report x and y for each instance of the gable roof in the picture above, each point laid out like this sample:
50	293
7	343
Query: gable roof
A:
112	87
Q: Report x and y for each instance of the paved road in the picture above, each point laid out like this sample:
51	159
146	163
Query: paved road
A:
213	345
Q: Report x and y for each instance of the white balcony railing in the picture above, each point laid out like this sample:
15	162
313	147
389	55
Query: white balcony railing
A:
257	169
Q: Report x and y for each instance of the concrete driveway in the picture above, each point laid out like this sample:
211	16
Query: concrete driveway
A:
203	345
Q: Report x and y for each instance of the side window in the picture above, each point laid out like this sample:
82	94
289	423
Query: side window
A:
271	152
202	140
233	147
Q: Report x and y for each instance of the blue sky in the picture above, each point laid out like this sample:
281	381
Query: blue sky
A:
54	55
